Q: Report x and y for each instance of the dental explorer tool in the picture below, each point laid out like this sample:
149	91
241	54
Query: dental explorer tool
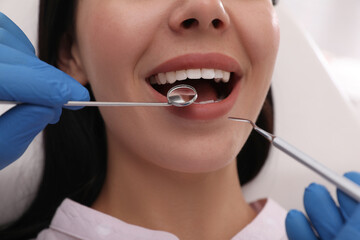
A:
344	184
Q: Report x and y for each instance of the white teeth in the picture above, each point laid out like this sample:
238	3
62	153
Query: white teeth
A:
161	78
193	73
180	75
207	73
171	77
218	73
226	77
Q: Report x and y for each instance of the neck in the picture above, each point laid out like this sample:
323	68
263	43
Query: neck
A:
191	206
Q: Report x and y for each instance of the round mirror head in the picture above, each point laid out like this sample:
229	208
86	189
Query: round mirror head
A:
182	95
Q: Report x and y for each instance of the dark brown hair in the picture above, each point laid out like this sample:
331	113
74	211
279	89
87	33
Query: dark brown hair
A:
75	148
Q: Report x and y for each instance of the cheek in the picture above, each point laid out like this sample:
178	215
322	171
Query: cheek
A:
258	31
259	35
112	39
109	29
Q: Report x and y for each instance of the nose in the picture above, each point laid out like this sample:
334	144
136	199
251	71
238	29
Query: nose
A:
204	15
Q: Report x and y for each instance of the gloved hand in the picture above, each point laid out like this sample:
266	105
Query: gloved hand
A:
329	220
42	89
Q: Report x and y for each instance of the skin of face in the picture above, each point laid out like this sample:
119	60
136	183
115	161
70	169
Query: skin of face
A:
118	42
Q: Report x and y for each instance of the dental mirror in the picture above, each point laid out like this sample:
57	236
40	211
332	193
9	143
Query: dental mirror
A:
180	96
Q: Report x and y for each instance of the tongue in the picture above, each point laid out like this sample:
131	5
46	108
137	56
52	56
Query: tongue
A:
205	90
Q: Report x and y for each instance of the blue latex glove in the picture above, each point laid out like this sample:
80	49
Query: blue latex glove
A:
329	220
41	87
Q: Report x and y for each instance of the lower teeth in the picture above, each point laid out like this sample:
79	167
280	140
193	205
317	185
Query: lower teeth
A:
206	102
211	101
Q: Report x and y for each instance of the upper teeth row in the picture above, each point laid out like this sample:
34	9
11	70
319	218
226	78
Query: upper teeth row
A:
205	73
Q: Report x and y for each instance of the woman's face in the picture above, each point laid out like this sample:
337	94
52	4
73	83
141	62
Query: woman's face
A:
128	48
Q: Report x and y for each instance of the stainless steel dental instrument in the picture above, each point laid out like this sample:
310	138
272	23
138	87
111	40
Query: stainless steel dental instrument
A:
180	96
344	184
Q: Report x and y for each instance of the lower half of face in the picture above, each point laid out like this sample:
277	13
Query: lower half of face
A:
122	66
173	137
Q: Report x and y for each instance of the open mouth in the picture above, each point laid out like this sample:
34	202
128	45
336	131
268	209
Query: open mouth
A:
212	85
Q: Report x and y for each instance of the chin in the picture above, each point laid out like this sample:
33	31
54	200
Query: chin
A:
204	159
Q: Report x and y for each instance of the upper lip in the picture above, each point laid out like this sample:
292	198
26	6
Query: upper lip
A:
198	60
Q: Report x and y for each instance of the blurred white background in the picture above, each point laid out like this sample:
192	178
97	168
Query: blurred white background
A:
335	27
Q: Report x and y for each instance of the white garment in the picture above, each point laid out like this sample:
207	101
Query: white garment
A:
74	221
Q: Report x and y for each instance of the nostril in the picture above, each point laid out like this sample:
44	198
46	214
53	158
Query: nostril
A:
216	23
192	22
188	23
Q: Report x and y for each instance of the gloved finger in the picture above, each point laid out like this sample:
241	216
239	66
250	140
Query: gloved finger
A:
347	204
45	85
19	126
12	28
10	55
322	211
77	91
10	40
351	229
298	227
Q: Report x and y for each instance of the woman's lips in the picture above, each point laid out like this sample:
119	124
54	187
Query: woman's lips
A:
192	61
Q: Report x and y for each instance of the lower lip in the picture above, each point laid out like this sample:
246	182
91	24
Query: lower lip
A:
208	111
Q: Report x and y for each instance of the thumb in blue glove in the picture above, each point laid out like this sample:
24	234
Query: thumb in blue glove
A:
41	87
350	210
326	219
